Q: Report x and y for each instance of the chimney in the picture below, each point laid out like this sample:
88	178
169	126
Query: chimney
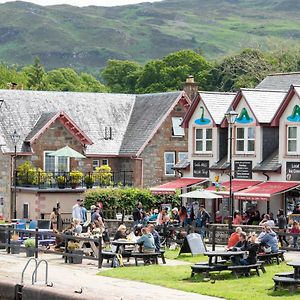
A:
191	87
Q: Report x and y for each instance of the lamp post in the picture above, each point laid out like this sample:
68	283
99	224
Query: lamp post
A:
15	139
231	116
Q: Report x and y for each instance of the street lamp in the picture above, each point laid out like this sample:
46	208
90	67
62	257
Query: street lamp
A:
231	116
15	137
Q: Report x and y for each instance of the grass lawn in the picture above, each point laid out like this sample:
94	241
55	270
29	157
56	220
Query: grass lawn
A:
226	285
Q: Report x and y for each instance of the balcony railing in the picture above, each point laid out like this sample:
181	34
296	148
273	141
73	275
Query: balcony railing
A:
66	180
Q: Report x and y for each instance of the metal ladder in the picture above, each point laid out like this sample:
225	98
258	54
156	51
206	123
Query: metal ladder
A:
19	287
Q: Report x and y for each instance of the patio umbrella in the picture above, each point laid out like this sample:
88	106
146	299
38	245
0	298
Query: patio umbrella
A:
66	152
201	194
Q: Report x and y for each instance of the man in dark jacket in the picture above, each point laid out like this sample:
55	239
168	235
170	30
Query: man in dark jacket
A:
202	220
137	213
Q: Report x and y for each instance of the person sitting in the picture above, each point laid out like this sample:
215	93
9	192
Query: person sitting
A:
77	226
175	216
267	221
234	238
237	219
241	245
295	230
218	217
155	236
154	215
121	233
163	217
147	241
269	240
252	249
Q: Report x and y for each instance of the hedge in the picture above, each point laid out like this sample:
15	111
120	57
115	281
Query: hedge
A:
126	198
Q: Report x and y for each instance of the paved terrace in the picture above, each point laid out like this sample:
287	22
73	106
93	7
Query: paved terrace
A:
68	278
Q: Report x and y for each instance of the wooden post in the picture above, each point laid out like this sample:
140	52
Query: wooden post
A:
36	237
214	228
8	239
100	253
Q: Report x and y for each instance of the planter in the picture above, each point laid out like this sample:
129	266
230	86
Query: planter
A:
76	259
15	247
89	185
74	185
30	251
61	185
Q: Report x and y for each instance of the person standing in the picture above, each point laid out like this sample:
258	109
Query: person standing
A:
202	220
282	225
53	218
76	210
138	213
83	213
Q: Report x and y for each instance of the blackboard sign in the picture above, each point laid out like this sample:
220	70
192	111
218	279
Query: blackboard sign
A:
243	169
43	224
201	168
293	171
193	243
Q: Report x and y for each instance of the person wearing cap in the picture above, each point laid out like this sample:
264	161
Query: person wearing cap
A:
76	210
175	215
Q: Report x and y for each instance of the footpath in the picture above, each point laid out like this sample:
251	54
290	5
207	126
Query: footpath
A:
82	282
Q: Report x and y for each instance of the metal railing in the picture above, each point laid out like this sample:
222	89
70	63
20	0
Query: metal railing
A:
63	180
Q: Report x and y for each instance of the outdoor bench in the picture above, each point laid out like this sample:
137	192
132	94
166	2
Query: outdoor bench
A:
161	254
145	256
244	269
285	274
108	255
268	257
286	282
200	268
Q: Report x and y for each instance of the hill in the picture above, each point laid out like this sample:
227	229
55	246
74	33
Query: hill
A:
84	38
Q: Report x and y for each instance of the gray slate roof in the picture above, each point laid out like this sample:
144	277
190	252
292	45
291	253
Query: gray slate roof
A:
263	103
221	165
270	164
183	164
147	112
280	81
27	111
217	103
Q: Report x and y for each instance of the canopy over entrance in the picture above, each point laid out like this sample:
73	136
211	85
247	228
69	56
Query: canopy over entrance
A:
265	190
200	194
170	187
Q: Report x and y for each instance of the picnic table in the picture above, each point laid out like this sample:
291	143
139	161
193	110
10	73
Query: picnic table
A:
221	254
296	266
120	242
290	280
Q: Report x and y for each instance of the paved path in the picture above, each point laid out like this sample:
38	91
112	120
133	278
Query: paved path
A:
73	277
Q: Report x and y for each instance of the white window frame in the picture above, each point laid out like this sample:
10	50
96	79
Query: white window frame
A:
95	164
182	155
104	162
166	163
297	139
204	140
55	162
177	130
245	139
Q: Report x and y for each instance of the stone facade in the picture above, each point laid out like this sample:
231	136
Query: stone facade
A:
163	141
5	184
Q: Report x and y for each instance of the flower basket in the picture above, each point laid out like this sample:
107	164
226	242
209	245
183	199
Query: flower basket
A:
73	248
61	182
29	247
75	178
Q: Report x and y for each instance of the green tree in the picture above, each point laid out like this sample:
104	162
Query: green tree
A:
9	75
121	75
35	76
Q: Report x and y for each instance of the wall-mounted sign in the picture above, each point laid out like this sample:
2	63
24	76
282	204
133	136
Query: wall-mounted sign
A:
202	120
295	116
243	169
201	168
293	171
244	117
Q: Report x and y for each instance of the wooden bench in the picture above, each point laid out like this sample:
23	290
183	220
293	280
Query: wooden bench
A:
162	256
244	269
146	257
204	267
286	282
108	255
285	274
268	257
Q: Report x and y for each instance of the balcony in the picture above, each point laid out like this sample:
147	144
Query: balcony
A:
63	180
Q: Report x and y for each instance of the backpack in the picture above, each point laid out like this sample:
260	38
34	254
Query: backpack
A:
118	261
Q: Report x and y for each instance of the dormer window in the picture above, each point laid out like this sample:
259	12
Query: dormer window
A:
245	140
293	140
203	140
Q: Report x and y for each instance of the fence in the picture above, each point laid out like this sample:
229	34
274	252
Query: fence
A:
6	233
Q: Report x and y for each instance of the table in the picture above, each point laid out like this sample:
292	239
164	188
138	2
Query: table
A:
216	254
296	266
119	243
94	250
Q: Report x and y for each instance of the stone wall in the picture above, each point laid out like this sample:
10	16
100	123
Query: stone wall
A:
163	141
5	185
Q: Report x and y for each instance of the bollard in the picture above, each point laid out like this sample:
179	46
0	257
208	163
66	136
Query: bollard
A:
36	237
100	253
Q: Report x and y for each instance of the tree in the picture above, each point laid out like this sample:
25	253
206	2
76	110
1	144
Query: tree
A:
121	75
35	75
245	69
9	75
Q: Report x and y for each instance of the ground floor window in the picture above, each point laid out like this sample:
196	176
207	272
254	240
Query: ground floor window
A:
169	163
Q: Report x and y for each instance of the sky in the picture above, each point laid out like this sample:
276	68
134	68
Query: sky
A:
85	2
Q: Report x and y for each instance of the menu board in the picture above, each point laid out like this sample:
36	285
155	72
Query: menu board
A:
201	168
243	169
293	171
193	243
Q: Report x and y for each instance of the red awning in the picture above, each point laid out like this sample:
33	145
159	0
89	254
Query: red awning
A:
237	185
170	187
265	190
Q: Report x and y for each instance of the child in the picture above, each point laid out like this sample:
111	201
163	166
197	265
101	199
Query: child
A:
295	230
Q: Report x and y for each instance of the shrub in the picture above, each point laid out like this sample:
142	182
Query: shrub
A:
76	177
29	243
103	175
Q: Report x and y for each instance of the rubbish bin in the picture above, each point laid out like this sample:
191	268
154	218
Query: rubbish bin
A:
3	234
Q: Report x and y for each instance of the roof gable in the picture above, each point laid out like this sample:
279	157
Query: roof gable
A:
45	121
289	95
